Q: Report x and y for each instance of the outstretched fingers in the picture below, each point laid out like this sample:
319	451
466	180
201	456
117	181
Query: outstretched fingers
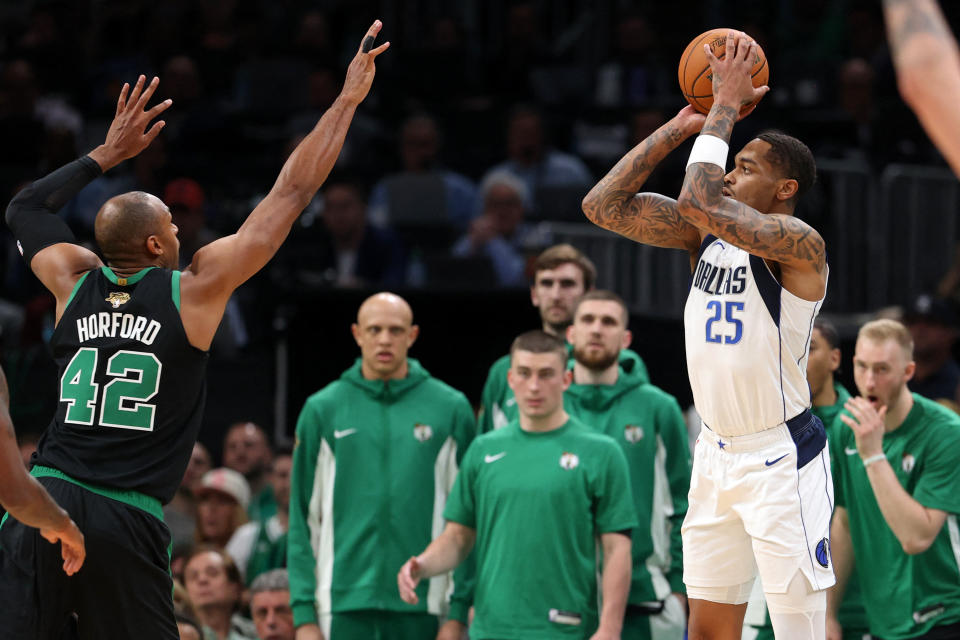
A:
145	96
122	100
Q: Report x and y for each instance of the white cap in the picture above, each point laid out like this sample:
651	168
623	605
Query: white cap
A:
226	481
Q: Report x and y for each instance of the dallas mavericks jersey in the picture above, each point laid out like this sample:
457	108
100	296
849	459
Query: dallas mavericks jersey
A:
132	387
747	341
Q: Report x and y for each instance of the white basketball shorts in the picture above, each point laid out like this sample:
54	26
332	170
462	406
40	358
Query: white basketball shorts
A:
760	501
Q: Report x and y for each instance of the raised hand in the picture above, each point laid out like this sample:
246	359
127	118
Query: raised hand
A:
732	82
867	425
362	68
128	134
71	546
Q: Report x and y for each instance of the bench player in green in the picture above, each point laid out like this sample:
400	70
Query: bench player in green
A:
897	488
561	274
533	498
131	345
376	456
609	395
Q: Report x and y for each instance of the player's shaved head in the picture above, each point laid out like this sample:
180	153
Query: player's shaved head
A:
125	222
385	302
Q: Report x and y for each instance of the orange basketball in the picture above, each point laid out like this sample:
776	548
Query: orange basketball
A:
696	81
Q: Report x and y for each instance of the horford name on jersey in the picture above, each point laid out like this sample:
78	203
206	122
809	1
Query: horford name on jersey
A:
117	325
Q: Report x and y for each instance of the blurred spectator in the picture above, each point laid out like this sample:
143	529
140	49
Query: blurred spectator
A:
635	76
186	200
222	500
347	251
180	513
933	325
420	155
524	47
531	160
260	546
246	449
499	233
214	586
270	606
145	172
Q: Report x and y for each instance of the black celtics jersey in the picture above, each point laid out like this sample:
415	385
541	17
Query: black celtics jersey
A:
132	387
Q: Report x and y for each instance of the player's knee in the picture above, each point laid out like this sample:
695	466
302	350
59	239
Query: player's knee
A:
800	613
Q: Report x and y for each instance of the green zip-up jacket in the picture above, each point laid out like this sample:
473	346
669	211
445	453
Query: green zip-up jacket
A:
373	465
498	407
649	427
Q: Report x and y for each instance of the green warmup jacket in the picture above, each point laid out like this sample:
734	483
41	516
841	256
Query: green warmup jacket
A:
649	427
498	407
373	465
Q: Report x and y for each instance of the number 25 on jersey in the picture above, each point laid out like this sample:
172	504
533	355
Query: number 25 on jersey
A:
723	321
125	399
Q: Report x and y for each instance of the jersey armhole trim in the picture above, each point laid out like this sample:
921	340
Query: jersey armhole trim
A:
175	288
76	288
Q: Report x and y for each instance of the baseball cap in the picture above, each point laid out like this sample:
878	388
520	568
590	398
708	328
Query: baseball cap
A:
932	309
227	481
186	192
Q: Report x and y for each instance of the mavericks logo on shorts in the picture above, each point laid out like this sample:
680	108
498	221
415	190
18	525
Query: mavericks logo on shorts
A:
633	433
823	553
569	460
422	432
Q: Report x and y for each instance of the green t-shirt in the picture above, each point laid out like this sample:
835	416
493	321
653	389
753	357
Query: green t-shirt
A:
538	501
905	595
649	426
498	407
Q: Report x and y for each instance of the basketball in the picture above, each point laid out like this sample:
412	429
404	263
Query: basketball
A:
696	81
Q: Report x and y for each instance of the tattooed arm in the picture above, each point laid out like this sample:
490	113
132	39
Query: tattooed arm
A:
649	218
783	239
928	70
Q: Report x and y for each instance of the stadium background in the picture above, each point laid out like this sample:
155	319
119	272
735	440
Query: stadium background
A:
247	76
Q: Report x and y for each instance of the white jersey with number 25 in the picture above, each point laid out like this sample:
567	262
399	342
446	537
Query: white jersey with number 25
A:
747	341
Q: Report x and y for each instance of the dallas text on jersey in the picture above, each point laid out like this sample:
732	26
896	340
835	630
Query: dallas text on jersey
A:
716	280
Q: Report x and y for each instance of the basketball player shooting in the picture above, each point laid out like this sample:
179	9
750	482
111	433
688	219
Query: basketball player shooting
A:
761	491
131	346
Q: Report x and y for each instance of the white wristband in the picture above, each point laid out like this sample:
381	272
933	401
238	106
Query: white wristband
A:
709	149
877	458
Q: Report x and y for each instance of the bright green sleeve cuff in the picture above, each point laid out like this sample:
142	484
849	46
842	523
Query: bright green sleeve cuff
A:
304	613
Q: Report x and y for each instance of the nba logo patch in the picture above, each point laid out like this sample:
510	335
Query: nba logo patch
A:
823	553
633	433
422	432
569	460
907	463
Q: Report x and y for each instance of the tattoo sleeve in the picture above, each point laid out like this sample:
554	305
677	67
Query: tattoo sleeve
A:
781	238
615	204
909	19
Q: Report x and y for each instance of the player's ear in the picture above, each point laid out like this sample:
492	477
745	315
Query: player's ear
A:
412	335
787	189
627	339
569	334
154	247
355	330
